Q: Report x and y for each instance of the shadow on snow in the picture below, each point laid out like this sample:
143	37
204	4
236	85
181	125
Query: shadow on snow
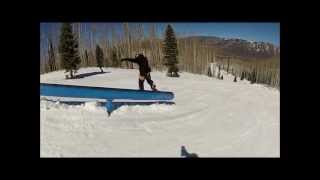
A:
78	76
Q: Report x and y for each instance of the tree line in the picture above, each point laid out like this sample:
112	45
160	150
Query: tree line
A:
190	55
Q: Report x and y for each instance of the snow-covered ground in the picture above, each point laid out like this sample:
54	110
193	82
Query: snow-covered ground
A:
211	117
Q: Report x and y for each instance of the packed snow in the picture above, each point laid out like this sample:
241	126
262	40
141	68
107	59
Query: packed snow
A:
211	117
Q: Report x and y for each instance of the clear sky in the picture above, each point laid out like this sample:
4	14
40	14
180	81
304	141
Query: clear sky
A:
267	32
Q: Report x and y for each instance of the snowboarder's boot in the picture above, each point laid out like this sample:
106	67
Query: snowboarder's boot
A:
141	86
153	87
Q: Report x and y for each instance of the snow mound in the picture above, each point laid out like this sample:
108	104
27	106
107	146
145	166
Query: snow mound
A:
91	106
143	109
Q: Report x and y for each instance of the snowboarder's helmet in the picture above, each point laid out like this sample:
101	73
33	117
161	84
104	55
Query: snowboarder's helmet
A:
140	56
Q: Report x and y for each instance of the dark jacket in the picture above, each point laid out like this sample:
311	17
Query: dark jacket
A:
142	61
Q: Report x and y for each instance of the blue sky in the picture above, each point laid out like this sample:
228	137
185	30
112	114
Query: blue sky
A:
267	32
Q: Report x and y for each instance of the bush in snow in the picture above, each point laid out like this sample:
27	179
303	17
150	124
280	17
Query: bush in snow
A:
235	79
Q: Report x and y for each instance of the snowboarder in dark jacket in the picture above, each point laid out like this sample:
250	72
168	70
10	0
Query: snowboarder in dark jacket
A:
144	70
185	153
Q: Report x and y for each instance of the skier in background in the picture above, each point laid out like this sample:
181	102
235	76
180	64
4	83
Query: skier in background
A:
144	70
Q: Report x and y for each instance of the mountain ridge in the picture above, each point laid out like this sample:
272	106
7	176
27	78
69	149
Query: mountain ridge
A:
238	47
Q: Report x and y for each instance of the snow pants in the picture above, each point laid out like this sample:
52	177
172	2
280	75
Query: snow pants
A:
148	78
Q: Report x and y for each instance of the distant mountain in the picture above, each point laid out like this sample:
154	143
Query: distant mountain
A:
238	47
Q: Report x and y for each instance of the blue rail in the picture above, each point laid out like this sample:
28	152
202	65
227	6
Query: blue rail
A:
108	94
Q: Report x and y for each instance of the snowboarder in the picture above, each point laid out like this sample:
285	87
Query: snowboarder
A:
144	70
184	153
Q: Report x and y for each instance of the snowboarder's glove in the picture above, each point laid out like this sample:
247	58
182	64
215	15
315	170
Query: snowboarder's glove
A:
124	59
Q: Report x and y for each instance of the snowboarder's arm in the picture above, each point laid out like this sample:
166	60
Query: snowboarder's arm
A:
130	60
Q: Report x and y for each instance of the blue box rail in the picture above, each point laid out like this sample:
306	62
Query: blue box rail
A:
108	94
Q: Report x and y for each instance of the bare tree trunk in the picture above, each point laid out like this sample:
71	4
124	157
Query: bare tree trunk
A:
71	73
228	65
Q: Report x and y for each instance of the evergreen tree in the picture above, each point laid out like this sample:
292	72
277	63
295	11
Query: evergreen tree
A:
99	57
219	73
235	79
269	79
170	51
253	77
242	76
209	72
86	58
114	58
46	67
68	48
52	59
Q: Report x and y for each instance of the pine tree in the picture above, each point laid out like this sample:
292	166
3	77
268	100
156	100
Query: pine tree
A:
99	57
86	58
68	48
228	65
253	76
114	58
242	76
46	67
52	59
209	72
219	73
170	51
